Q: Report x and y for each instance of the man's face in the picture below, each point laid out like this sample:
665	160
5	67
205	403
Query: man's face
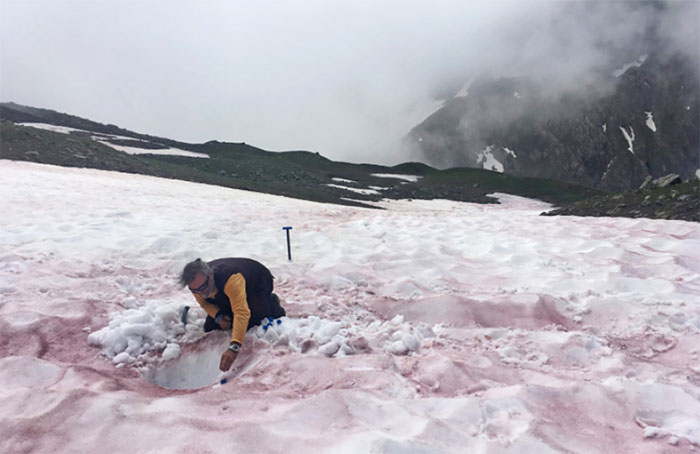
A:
200	284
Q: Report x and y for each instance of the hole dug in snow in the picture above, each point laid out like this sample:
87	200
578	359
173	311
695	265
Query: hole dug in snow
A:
193	369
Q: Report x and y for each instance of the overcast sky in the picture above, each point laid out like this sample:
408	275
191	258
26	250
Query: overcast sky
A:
347	79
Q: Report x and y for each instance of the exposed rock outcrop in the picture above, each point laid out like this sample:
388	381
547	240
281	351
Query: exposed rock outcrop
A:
680	201
648	126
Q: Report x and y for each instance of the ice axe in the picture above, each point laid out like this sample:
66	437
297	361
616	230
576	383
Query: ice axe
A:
289	248
183	315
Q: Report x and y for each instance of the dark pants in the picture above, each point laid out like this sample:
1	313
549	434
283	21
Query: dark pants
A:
261	305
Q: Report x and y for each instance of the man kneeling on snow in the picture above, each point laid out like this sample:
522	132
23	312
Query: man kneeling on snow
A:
234	292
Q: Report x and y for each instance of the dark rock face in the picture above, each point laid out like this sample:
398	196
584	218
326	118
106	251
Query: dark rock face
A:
647	125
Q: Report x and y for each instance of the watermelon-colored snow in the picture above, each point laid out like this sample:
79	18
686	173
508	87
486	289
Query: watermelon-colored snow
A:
430	326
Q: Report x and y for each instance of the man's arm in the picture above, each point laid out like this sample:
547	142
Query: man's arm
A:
235	290
209	308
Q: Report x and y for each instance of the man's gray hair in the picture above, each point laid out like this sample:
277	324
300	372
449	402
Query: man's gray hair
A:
191	269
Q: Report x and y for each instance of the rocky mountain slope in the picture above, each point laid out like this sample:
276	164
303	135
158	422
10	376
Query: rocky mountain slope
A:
665	198
50	137
648	124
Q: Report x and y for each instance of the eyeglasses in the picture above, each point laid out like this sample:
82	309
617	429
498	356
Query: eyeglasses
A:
201	288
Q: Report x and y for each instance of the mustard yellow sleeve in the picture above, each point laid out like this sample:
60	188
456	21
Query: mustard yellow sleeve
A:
235	290
208	307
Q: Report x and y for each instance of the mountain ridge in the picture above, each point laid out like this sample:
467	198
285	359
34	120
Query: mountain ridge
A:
300	174
648	126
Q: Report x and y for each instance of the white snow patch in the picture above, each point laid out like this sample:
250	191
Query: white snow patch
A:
342	180
607	169
637	63
54	128
411	178
357	190
605	127
102	138
162	151
517	95
464	90
629	136
489	161
650	121
510	152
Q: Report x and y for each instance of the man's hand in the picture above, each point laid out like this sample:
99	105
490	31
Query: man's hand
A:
225	322
227	359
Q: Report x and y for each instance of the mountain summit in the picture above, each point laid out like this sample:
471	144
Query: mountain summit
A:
646	126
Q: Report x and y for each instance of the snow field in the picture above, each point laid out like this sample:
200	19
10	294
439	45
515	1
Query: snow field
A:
430	326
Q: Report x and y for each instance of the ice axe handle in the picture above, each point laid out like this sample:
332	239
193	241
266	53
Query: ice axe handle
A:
289	248
183	316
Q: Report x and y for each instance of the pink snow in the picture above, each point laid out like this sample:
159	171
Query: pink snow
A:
430	326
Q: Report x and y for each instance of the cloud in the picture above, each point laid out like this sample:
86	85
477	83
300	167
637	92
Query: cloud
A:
347	79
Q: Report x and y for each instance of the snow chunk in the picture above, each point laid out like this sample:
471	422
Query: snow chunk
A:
345	337
342	180
172	351
650	121
510	152
123	358
676	425
520	357
327	331
329	348
137	331
398	348
605	127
